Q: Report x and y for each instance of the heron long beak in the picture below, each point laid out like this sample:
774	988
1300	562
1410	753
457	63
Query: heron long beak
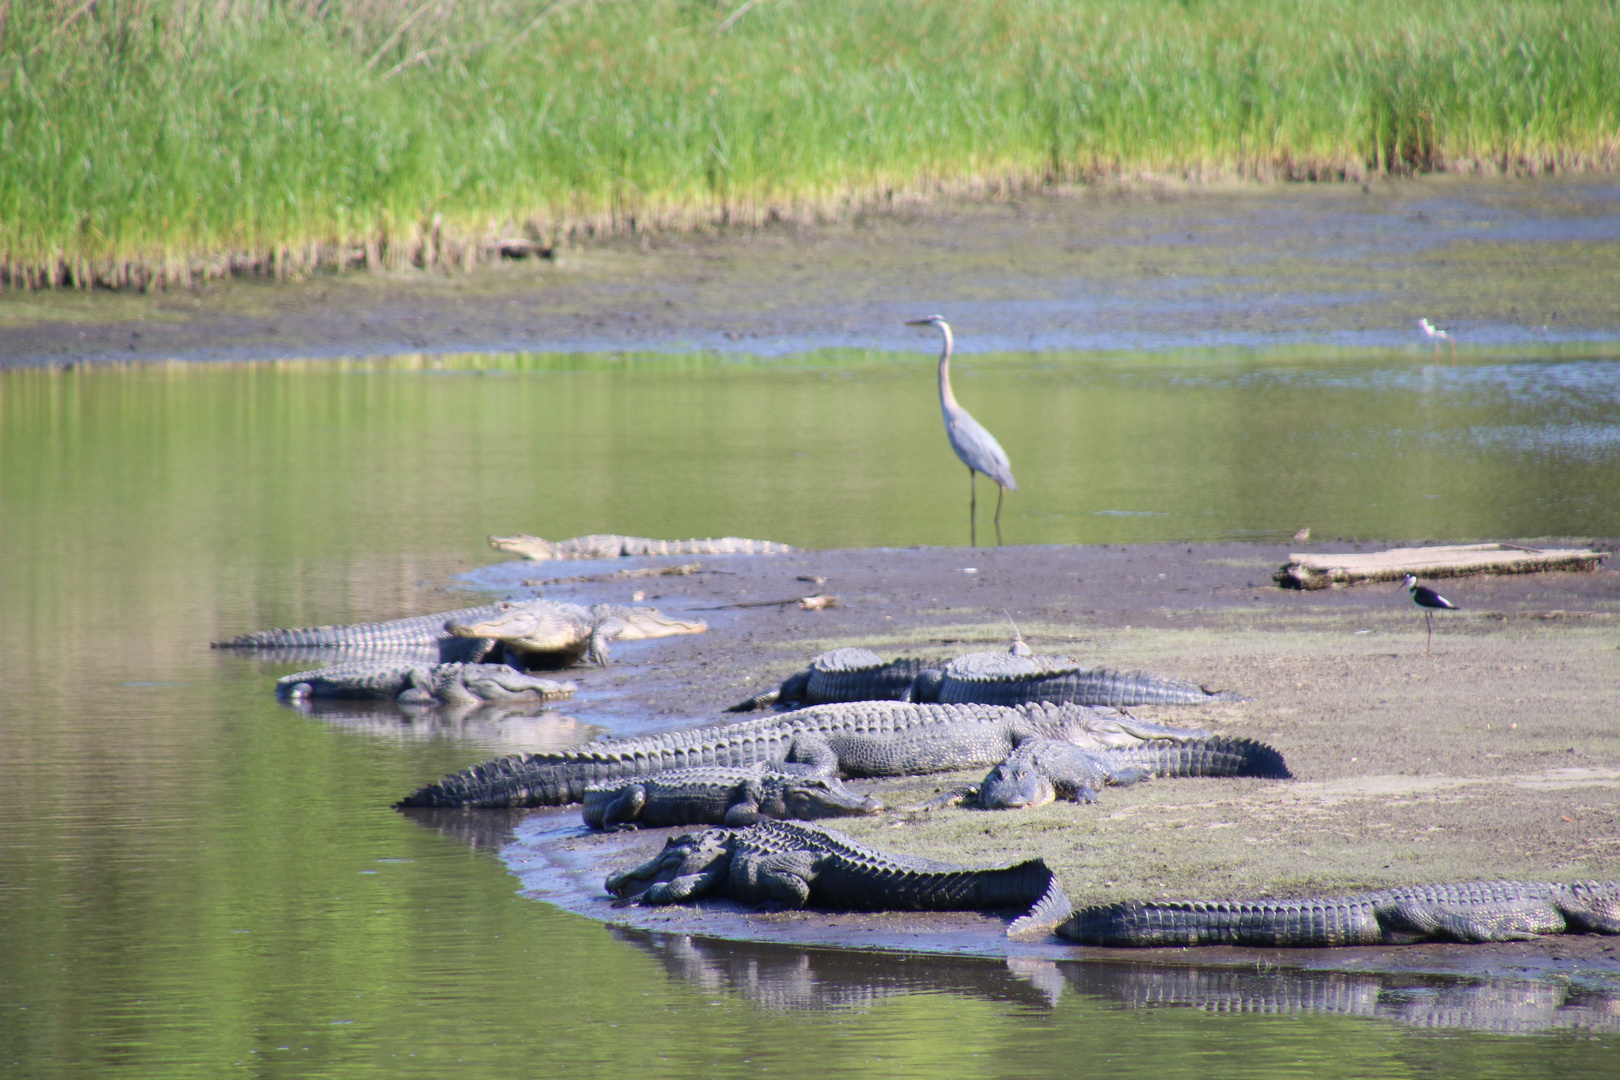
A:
919	322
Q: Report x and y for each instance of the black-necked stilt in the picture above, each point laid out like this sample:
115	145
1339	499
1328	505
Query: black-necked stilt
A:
1429	600
1436	335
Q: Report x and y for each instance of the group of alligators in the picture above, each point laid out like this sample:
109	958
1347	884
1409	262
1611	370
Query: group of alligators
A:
1046	727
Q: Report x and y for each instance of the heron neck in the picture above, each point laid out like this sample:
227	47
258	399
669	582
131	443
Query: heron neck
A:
947	400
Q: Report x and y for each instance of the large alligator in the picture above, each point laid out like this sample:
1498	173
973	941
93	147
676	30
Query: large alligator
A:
864	738
422	684
715	795
1010	679
542	633
613	546
1041	770
842	675
1471	912
986	678
787	864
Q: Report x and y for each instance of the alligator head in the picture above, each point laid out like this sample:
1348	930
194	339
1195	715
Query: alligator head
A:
497	682
641	623
688	860
809	798
1015	785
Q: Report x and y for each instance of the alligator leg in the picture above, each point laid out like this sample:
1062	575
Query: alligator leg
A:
781	880
809	755
622	813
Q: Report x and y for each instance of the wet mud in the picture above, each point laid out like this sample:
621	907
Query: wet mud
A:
1495	757
1500	262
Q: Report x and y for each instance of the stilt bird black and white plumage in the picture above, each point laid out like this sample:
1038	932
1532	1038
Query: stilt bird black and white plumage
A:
1429	600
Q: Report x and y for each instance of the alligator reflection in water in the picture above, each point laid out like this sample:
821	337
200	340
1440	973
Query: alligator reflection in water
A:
783	978
498	726
787	978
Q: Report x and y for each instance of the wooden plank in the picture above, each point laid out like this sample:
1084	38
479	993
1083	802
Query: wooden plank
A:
1313	571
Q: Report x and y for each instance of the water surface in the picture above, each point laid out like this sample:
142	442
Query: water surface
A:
194	880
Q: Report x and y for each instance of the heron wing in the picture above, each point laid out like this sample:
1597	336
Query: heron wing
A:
978	448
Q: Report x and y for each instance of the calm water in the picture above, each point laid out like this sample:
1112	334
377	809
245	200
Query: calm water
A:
193	880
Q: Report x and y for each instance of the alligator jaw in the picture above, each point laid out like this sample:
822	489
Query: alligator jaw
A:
1015	787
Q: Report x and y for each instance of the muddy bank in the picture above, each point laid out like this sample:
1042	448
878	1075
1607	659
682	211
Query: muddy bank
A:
1496	757
1503	262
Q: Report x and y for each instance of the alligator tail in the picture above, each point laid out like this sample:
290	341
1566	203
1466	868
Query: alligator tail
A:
1204	757
1051	909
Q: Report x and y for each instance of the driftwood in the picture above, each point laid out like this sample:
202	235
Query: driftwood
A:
1307	571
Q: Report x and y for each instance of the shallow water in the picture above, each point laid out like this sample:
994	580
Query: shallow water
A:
196	880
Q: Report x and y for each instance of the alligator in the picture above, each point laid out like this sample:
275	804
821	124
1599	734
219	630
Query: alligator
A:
613	546
863	738
1041	770
422	684
1011	679
787	864
714	795
527	633
1470	912
986	678
545	634
841	675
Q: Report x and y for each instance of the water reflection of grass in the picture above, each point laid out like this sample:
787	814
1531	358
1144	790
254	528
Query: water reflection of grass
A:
151	138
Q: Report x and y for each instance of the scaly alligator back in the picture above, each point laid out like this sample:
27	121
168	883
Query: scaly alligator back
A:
1470	911
1006	679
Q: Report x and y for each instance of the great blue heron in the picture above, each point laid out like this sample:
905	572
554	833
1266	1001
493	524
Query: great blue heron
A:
976	447
1436	335
1430	601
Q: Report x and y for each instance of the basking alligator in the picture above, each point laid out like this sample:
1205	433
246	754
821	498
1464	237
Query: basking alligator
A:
543	633
986	678
841	675
714	795
1010	679
1041	770
612	546
1472	912
791	865
863	738
422	684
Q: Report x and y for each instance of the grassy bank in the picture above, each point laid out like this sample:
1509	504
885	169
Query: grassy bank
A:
163	140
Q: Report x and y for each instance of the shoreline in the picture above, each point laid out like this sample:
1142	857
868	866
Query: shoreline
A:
1406	768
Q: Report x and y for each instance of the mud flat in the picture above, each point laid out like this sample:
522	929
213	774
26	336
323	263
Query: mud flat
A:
1496	757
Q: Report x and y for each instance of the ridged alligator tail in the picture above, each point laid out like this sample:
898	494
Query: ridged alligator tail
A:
1470	912
614	546
792	865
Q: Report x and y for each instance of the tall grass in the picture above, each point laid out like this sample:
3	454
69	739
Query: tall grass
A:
161	140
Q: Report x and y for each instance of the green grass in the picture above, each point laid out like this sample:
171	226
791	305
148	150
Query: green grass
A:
161	140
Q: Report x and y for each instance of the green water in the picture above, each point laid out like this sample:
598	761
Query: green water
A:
194	880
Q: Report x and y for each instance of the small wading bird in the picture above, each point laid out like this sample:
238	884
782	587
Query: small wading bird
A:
1429	600
976	447
1432	333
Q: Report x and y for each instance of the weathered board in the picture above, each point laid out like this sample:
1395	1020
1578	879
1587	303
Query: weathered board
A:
1307	571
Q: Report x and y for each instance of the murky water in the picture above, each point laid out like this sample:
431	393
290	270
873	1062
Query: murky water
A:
194	880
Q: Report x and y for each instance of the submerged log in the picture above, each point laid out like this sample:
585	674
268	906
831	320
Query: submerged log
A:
1308	571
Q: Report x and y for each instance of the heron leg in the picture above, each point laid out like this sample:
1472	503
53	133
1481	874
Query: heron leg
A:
973	508
1428	617
1001	493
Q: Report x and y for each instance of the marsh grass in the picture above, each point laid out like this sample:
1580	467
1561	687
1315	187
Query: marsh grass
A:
162	141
